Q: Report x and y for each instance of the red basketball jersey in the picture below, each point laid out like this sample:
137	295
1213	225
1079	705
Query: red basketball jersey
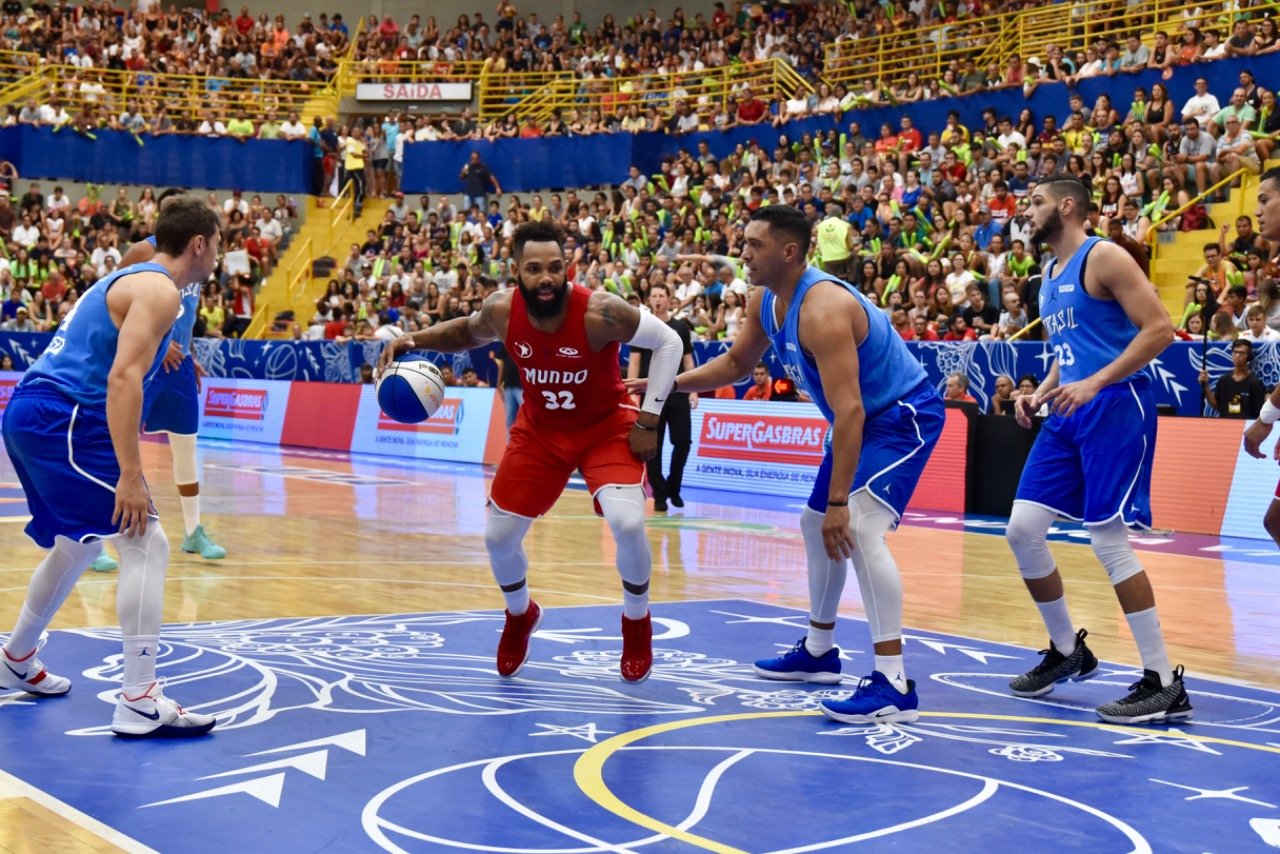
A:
566	385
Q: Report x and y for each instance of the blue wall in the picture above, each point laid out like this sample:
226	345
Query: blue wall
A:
115	157
523	165
1177	369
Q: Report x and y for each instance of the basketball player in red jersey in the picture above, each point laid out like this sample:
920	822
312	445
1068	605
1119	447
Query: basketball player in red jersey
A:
576	415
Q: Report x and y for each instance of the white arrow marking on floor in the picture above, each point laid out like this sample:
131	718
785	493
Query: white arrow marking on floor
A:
978	655
312	764
352	742
265	789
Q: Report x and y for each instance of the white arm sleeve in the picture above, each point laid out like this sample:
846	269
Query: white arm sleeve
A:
653	334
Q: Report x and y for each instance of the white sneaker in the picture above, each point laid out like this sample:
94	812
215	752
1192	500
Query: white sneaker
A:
29	675
153	715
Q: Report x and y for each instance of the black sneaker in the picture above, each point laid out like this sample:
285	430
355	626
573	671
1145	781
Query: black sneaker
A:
677	501
1150	703
1056	667
659	505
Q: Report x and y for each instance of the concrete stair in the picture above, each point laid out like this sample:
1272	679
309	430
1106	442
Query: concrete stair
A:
292	285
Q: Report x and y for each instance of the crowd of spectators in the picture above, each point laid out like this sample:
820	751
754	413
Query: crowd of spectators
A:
54	247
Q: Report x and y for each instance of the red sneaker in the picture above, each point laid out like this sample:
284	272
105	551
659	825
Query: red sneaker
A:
637	648
513	648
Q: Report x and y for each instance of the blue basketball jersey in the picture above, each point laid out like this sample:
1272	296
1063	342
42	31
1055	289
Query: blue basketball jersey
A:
887	372
184	326
79	357
1086	333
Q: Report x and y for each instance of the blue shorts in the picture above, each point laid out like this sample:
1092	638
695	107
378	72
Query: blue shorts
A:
896	444
1095	465
172	402
66	463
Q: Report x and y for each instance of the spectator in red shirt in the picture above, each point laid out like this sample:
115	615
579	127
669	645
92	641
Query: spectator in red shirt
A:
337	326
763	387
1003	205
909	141
923	329
244	22
751	110
960	330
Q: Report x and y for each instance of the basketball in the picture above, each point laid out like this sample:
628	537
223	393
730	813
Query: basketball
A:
410	390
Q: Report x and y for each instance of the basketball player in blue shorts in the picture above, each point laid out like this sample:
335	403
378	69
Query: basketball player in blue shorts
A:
1092	459
71	430
172	406
885	419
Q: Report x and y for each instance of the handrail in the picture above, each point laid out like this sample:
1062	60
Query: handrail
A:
343	204
257	323
305	254
1151	230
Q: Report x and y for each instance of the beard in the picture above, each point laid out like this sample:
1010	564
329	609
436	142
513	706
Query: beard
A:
544	310
1051	226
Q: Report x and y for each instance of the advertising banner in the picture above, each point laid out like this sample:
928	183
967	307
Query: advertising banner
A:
252	410
422	91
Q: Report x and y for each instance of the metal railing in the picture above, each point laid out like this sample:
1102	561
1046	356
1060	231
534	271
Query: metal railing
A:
344	205
298	271
1152	230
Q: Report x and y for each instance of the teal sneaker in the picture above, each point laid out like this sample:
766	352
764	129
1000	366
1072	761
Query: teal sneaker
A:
104	563
198	543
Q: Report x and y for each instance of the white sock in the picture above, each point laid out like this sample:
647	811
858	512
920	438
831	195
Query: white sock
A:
139	664
503	535
190	512
1058	621
826	583
1145	626
891	667
623	508
819	641
50	585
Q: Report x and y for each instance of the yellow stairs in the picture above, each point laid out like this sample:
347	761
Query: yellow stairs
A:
1173	262
328	230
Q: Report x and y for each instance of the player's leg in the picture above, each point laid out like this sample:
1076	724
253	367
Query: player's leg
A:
1051	486
50	585
1118	495
142	710
895	449
814	658
530	477
614	476
186	474
1271	520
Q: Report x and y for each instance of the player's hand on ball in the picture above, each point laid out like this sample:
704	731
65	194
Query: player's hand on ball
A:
398	347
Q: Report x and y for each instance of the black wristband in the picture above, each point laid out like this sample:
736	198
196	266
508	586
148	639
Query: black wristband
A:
640	426
831	503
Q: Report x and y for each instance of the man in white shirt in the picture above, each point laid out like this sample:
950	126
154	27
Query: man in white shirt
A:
211	126
236	202
26	234
59	201
1202	106
1009	135
293	129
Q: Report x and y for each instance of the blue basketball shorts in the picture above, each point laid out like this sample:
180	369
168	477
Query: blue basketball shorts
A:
896	445
1095	465
172	401
64	458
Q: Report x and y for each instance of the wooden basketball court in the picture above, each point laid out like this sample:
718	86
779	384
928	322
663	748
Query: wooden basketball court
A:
315	535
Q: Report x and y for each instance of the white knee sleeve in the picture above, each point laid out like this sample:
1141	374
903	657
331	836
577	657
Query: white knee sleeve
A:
186	468
503	535
623	508
826	576
1111	544
1028	528
144	561
878	577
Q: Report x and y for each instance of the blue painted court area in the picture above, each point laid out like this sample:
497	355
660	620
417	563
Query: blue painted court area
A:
352	733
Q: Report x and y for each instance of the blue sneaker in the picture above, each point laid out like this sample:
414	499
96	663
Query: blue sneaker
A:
104	563
200	543
799	665
875	701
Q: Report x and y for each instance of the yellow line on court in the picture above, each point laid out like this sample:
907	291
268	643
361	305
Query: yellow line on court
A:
588	771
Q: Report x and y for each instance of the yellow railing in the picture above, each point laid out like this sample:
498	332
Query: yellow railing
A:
298	271
27	85
258	323
343	206
930	50
1152	232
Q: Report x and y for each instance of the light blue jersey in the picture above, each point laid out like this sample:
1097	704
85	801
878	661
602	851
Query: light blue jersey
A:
887	373
79	358
1086	333
184	326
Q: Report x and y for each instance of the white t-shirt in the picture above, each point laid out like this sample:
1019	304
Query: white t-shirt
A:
293	130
